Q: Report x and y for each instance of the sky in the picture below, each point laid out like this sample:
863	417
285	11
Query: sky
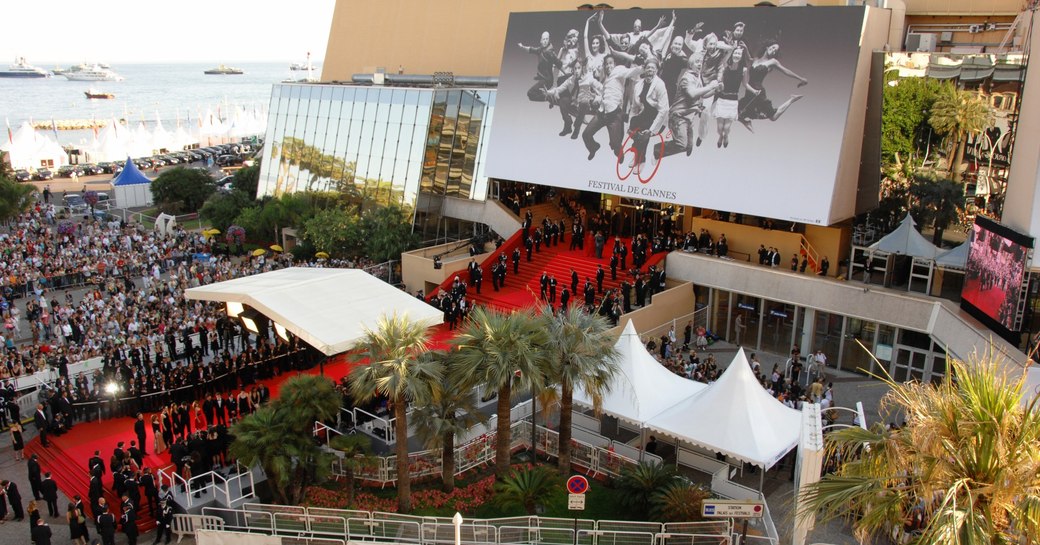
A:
126	31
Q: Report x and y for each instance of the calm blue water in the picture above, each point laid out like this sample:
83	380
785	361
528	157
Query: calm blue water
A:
172	90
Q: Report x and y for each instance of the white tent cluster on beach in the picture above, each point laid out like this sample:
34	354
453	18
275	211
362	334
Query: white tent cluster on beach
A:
116	141
29	149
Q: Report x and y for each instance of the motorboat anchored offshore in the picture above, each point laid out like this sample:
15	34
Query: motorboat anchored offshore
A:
22	69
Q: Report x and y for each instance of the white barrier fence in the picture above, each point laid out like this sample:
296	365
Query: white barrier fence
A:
311	523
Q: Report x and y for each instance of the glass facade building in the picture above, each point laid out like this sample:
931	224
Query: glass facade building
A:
405	145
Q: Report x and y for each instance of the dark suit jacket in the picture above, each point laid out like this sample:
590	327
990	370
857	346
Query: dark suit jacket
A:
49	489
41	534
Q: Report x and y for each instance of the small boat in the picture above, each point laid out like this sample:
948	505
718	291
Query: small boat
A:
302	66
296	67
94	93
22	69
224	71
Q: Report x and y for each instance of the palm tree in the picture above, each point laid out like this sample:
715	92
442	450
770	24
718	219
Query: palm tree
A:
450	412
581	353
965	462
288	455
15	198
395	370
505	353
958	113
939	200
637	484
525	488
356	449
309	398
679	501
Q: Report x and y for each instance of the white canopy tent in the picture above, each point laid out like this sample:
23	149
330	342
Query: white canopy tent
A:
906	240
734	416
643	388
330	309
28	149
954	258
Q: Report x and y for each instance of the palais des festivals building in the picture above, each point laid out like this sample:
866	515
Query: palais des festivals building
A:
429	104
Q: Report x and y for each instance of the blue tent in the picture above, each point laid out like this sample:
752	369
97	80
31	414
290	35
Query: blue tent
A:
132	188
130	175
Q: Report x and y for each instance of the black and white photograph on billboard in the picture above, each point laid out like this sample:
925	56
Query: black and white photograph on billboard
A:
741	110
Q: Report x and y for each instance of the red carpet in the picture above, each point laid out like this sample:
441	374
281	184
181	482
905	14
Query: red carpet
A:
522	290
67	456
988	301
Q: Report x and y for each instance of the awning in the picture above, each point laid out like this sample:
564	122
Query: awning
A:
330	309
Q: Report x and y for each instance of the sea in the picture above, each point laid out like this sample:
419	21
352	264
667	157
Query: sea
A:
170	92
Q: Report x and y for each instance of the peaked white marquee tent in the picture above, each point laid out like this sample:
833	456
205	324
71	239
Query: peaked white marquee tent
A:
329	309
643	388
736	417
906	240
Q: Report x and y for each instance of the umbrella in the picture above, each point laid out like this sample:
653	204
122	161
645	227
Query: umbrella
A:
259	252
321	255
211	231
276	248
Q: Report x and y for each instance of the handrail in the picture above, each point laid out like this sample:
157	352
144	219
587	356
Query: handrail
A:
813	257
174	479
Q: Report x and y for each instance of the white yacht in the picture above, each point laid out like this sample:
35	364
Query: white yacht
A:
22	69
93	73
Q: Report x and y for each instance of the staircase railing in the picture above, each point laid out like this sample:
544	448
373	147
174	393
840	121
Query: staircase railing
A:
806	249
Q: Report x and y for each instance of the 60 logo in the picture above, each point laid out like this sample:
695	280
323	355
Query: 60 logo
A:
641	165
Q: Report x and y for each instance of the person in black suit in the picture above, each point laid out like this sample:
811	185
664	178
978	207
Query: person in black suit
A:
96	463
516	261
129	519
163	521
14	498
106	523
140	433
35	476
40	419
219	406
552	289
151	493
96	491
49	489
41	533
599	279
135	454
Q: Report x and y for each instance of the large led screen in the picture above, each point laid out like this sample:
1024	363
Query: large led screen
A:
739	109
997	260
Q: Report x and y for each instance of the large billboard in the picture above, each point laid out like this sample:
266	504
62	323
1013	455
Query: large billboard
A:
742	110
995	275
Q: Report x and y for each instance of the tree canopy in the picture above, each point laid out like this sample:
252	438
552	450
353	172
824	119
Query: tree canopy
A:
182	189
964	469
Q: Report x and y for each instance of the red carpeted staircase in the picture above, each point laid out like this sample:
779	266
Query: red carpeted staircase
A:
522	290
67	461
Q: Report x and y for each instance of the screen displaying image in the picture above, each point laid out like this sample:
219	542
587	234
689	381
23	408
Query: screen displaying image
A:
737	109
996	265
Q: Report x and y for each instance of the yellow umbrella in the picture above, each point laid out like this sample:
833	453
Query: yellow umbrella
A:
211	231
321	255
276	248
259	252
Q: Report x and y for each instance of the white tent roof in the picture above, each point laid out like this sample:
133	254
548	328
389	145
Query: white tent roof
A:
734	416
328	308
906	240
954	258
643	388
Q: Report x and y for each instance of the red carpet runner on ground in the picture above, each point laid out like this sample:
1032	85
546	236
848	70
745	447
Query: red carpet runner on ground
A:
67	456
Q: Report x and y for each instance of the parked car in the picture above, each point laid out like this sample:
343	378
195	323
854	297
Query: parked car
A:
22	175
43	174
107	167
229	160
91	169
75	203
